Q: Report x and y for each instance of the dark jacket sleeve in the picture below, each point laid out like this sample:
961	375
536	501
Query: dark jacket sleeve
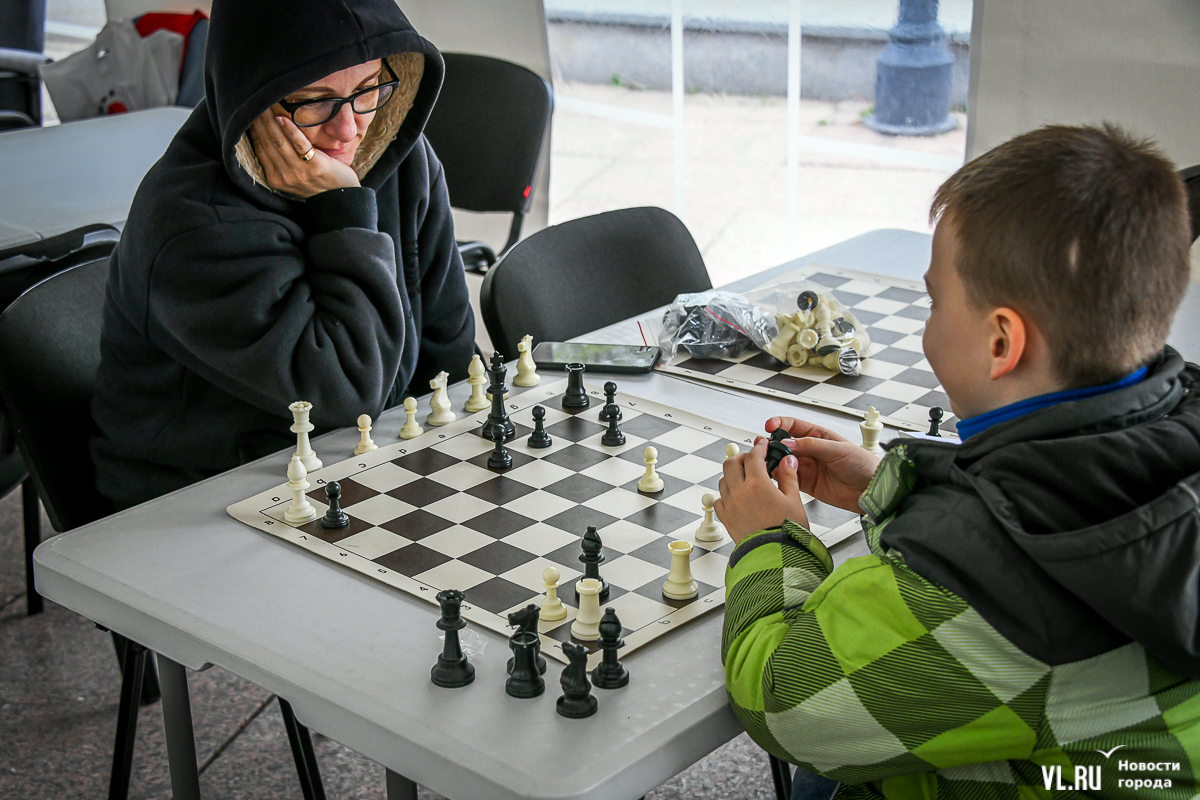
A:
272	317
448	323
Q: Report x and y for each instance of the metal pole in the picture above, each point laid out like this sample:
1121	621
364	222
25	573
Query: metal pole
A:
912	75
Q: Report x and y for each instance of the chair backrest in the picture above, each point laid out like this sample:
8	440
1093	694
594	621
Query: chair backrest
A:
572	278
488	129
49	354
1191	179
25	265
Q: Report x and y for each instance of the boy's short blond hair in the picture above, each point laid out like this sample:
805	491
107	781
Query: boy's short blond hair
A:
1085	230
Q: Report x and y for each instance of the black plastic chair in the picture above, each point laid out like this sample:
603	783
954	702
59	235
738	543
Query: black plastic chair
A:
49	355
572	278
1191	179
488	128
20	268
22	39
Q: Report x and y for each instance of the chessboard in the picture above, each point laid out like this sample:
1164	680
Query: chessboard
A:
428	514
895	376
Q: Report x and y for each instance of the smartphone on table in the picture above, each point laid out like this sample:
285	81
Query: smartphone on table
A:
626	359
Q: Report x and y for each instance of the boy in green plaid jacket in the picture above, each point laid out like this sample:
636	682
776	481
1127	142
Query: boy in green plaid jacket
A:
1026	623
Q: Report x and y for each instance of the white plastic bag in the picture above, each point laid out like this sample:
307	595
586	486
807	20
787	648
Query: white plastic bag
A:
120	71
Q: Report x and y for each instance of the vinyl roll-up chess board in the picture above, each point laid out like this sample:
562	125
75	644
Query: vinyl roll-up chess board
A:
895	376
428	514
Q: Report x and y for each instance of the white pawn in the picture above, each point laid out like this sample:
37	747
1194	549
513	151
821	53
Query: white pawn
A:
808	338
650	482
411	429
478	400
439	405
731	450
299	510
871	428
779	345
709	530
797	356
679	584
552	608
301	427
365	445
526	369
587	624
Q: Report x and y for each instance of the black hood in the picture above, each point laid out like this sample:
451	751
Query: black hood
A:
1104	495
259	51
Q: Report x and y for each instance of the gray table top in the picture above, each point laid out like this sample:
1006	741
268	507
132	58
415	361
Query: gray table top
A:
63	177
180	576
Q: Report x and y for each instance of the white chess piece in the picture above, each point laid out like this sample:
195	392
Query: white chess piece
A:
779	345
552	608
803	319
478	400
365	445
731	450
871	428
808	339
827	342
709	530
301	427
797	356
860	341
650	482
411	429
526	369
587	624
679	584
299	510
439	405
830	362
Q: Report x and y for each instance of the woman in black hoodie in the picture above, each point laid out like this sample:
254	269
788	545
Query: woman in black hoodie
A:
270	256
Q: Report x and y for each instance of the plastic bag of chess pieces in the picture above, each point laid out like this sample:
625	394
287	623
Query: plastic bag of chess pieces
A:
811	328
713	324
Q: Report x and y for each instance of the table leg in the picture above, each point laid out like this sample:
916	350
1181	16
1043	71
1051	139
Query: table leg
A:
133	667
302	751
400	787
177	720
33	537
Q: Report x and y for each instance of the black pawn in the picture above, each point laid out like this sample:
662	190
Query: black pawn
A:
523	679
334	517
576	701
611	673
777	451
525	621
935	420
576	396
539	438
613	437
452	669
807	301
592	557
500	458
610	398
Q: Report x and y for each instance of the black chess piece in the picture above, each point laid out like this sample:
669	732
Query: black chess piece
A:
334	517
611	673
613	437
576	395
842	327
539	438
526	621
577	701
610	398
498	416
807	301
500	457
592	558
935	420
452	669
523	679
777	451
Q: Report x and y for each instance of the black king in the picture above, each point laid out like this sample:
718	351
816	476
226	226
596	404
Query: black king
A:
498	417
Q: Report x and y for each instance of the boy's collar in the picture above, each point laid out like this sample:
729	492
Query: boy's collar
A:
981	422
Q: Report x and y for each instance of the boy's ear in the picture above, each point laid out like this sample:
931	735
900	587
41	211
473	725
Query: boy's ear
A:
1008	341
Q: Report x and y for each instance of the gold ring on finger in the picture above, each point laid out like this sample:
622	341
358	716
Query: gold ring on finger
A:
308	156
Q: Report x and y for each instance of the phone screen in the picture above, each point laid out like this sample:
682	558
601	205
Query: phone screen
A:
599	357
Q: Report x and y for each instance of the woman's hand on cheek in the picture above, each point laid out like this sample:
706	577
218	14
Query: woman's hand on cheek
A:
750	502
280	147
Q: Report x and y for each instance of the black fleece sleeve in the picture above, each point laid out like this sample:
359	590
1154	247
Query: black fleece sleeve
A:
272	320
448	324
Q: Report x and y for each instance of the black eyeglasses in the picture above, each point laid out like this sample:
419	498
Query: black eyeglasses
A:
311	113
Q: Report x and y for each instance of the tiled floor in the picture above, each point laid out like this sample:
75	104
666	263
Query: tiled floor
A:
59	689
